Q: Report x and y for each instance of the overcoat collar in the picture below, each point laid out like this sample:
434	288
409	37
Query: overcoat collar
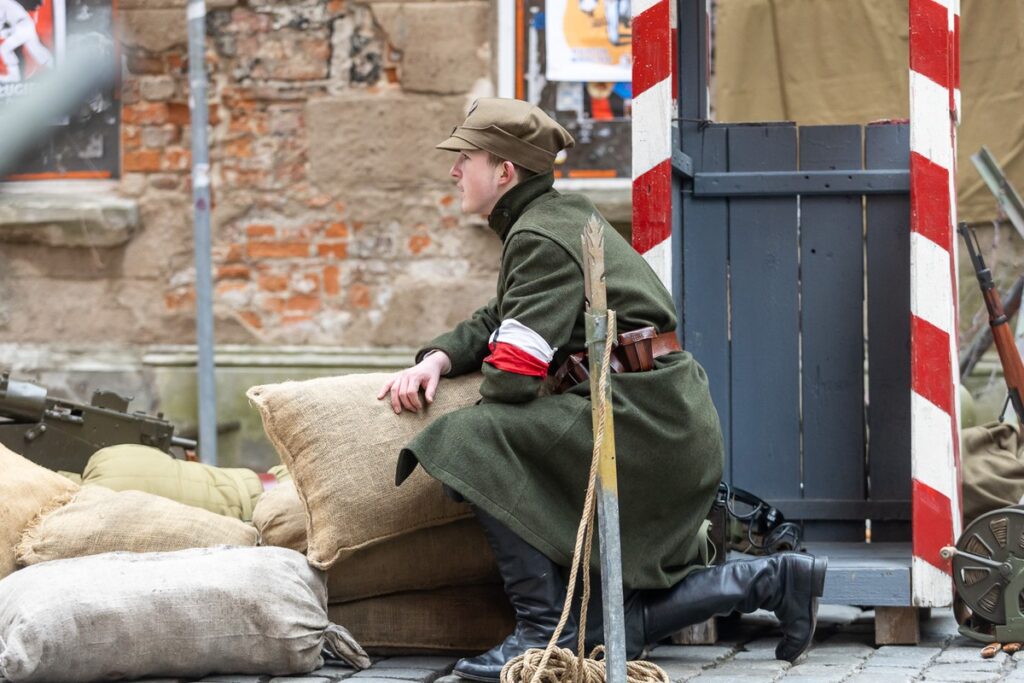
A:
512	204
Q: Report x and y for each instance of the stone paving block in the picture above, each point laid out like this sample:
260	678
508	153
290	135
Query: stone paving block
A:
382	670
679	671
819	669
847	643
742	667
903	656
961	673
832	658
433	663
236	678
969	654
884	674
836	677
300	679
366	679
335	672
713	676
699	654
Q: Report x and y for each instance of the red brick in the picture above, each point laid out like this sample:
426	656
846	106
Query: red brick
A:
251	318
359	296
144	112
303	302
180	299
131	136
339	229
278	249
273	304
273	283
333	249
331	282
235	253
447	200
240	148
176	159
260	230
145	160
178	113
418	243
230	286
233	272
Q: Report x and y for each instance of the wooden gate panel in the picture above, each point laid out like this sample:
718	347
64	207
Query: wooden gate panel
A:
765	321
832	333
888	295
706	284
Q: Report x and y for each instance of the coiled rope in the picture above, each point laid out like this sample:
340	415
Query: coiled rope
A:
558	664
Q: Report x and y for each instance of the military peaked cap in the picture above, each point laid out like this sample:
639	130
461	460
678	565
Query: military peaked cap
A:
513	130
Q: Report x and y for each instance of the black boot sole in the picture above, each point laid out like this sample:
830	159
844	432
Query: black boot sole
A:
818	572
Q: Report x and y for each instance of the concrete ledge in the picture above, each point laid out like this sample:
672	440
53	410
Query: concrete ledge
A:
67	220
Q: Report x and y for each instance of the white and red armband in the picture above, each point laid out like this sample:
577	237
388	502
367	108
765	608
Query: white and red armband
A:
518	349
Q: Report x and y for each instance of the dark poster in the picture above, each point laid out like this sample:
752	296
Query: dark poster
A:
35	36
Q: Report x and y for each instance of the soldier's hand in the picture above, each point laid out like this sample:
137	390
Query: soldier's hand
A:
404	387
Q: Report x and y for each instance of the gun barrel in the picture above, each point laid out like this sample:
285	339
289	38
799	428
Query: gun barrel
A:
21	400
181	441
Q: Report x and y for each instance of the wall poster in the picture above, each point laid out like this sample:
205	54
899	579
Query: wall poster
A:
574	60
34	38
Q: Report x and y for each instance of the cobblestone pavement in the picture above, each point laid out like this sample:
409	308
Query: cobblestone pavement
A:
843	652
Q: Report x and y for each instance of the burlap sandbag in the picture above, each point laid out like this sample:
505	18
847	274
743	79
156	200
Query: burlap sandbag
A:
280	518
453	554
26	489
341	446
461	619
993	473
230	491
98	520
186	614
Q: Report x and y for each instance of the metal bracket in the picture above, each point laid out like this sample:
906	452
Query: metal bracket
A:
759	184
1006	195
682	163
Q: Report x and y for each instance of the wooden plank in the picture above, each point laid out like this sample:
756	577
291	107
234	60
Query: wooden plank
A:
705	258
897	626
765	320
888	295
832	329
705	633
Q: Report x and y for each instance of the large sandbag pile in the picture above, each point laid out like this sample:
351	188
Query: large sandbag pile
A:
98	520
993	469
398	558
26	489
230	491
190	614
459	619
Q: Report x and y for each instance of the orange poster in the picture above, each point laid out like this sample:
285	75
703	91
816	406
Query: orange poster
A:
588	40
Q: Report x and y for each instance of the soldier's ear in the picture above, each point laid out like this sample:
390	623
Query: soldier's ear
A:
508	172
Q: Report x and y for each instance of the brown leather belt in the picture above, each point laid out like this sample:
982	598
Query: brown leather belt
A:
635	352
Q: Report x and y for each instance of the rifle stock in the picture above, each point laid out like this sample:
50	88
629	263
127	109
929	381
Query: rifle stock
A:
1009	355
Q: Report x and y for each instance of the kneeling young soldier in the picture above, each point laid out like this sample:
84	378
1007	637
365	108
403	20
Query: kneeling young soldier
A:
521	456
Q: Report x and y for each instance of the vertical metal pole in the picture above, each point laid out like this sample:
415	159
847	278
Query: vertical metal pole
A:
201	203
600	333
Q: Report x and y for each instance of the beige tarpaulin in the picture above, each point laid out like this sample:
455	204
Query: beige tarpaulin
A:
846	61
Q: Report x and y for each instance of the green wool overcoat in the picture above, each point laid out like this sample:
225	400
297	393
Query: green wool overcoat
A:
523	455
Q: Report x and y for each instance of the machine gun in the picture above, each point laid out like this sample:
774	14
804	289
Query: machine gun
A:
63	435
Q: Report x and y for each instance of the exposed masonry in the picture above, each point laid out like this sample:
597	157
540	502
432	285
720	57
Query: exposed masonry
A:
302	255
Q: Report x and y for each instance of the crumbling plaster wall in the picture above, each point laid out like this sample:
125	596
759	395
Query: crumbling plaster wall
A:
334	221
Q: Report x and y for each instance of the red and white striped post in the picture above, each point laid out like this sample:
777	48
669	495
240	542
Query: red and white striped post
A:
934	424
653	111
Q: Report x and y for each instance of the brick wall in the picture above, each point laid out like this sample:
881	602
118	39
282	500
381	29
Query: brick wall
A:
334	221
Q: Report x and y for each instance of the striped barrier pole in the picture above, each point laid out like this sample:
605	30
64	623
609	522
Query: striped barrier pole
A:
934	425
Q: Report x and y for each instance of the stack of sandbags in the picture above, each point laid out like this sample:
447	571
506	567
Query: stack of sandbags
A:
26	490
229	491
992	466
97	520
189	614
409	569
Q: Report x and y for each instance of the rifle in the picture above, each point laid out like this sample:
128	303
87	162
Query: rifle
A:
1009	356
63	435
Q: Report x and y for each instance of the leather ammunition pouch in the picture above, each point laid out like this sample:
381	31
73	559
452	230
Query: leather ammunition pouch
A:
635	352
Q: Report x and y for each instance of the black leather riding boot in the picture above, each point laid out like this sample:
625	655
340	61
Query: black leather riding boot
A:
789	584
536	589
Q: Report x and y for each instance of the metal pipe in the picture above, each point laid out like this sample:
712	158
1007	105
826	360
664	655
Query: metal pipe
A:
197	103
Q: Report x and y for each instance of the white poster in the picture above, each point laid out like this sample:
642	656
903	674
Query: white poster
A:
588	40
31	40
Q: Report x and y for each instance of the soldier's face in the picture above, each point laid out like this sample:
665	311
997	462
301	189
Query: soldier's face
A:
479	183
